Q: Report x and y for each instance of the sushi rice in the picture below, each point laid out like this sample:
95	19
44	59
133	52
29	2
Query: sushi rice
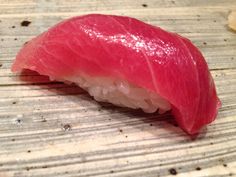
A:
121	93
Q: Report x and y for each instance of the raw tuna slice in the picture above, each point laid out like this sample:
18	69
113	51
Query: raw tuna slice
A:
128	63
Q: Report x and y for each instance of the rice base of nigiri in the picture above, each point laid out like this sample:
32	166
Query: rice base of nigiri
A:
120	93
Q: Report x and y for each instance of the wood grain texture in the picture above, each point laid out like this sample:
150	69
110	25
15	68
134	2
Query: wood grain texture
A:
52	129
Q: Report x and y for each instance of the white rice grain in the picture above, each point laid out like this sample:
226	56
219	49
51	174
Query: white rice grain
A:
121	93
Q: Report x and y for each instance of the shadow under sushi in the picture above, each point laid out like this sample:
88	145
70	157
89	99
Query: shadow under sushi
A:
159	125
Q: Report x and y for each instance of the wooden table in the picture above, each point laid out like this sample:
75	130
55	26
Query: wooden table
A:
52	129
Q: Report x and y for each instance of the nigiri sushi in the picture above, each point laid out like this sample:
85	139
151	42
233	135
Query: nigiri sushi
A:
129	63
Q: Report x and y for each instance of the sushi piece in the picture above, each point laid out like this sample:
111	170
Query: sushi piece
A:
129	63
